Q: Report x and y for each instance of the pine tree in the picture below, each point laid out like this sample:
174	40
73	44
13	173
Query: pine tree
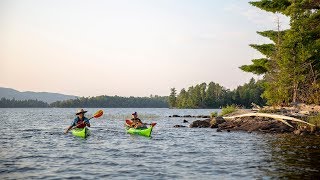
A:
173	98
291	68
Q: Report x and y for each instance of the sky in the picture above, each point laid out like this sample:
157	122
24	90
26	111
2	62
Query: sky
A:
128	47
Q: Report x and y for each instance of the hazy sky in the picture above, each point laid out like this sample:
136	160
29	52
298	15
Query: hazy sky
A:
127	47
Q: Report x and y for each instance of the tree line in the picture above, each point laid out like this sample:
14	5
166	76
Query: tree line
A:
13	103
291	66
203	95
114	102
91	102
213	95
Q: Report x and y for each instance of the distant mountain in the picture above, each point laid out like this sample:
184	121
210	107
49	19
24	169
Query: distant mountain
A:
9	93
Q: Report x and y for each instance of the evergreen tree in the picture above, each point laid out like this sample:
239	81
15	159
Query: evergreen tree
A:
173	98
215	96
291	67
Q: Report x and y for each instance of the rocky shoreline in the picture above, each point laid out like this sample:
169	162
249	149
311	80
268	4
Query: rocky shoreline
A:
253	123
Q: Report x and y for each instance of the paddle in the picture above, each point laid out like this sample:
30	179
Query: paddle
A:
153	124
129	122
98	114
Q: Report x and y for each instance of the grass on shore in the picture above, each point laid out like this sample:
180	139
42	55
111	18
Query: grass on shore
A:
228	109
314	120
214	114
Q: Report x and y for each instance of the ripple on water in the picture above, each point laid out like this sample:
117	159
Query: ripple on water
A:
39	149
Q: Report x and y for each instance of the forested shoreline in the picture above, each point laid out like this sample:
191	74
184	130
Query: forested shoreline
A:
13	103
114	102
213	95
91	102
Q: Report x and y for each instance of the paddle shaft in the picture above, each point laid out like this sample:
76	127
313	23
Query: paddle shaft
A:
148	124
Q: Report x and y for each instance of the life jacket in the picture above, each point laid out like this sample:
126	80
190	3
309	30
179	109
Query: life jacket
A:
80	124
136	123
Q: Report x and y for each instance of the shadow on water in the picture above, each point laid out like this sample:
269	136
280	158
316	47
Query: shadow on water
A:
294	156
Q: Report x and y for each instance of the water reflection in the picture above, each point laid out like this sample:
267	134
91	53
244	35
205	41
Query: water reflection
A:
294	156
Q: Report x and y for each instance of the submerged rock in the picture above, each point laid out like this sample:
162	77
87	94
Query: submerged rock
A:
185	121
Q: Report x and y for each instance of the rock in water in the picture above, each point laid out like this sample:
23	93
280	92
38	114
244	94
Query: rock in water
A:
200	124
179	126
216	121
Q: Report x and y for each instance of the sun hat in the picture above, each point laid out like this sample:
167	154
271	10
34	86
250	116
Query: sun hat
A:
81	111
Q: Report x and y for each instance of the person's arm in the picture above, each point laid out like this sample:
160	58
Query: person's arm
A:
68	129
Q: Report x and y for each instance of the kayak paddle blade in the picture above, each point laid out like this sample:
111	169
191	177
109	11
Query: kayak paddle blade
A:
98	114
128	122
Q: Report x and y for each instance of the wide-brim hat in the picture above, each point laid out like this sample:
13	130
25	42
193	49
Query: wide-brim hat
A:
81	111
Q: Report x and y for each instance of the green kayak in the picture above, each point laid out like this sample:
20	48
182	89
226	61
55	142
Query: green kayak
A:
81	132
139	131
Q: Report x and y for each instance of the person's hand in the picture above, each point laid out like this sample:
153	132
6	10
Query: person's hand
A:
81	125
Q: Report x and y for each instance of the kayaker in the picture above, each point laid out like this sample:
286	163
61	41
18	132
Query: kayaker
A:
80	121
136	122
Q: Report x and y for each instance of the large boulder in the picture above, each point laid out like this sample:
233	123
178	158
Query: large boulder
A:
216	121
200	124
260	124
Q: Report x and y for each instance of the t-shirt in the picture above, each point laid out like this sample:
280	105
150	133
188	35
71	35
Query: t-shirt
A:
77	120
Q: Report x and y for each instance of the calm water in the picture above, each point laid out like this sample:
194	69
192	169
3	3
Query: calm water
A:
32	146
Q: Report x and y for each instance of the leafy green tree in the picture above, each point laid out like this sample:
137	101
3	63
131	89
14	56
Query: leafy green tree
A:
215	96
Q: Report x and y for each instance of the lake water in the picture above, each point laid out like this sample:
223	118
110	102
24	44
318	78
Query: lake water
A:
33	146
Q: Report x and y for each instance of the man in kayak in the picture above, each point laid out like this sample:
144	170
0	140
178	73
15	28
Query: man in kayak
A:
80	121
136	122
